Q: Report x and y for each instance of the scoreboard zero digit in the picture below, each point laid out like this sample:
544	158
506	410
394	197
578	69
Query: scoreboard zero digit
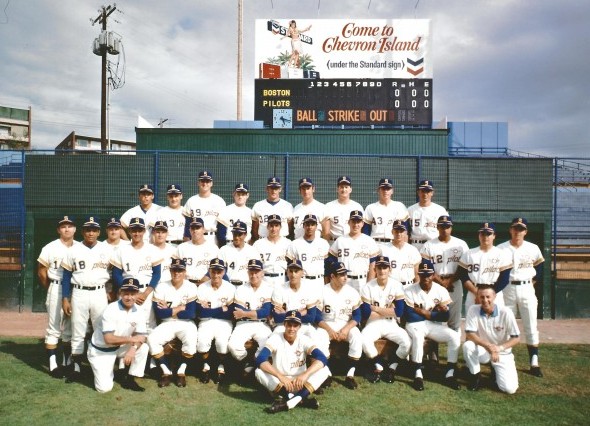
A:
302	103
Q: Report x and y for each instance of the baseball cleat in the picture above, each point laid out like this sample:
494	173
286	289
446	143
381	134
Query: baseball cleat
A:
388	375
164	380
181	381
277	407
73	377
350	383
220	378
418	384
205	378
131	384
310	403
473	382
374	376
57	373
536	371
452	383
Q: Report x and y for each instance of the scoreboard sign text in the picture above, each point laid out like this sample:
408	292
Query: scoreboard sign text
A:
302	103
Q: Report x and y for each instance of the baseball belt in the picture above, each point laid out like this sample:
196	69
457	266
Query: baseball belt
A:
55	282
444	277
418	241
80	287
313	277
273	275
111	349
407	282
236	282
483	284
250	320
382	240
520	282
357	277
210	233
175	241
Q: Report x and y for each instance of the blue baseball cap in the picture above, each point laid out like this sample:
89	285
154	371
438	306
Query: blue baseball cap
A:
146	188
310	218
356	214
196	222
425	267
137	222
386	183
241	187
114	223
274	182
205	175
382	261
217	263
66	220
400	224
91	222
274	218
293	316
173	189
519	222
255	265
161	224
178	264
426	185
296	264
305	182
344	180
444	220
130	284
487	228
239	227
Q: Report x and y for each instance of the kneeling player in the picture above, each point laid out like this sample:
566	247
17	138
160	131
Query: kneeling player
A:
175	304
288	376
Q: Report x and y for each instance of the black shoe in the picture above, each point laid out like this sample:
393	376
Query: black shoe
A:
220	379
205	378
374	376
277	407
73	377
388	375
328	382
164	381
319	391
155	373
310	403
57	373
350	383
181	381
452	383
536	371
418	384
473	382
131	384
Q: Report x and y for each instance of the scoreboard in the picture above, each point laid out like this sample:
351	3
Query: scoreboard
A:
303	103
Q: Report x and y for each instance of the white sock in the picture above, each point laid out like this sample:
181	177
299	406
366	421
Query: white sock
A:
52	362
165	370
181	369
450	373
76	367
206	367
292	403
121	363
393	366
351	372
378	367
535	361
221	369
153	364
419	373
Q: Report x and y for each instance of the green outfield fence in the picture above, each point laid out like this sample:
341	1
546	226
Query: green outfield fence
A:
38	187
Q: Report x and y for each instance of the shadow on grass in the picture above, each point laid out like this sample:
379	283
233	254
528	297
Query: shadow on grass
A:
32	354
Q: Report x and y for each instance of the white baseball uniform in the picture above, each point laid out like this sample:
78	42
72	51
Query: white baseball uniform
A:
249	299
379	327
520	295
197	258
290	360
337	307
381	218
236	261
59	326
434	330
306	296
484	268
211	328
230	214
312	255
171	327
167	253
207	208
445	257
338	215
149	218
423	222
90	272
102	357
356	254
403	262
175	221
497	328
263	208
138	263
273	256
301	210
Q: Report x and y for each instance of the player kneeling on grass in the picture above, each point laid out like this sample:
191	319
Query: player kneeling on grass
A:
491	332
287	375
120	333
175	304
426	311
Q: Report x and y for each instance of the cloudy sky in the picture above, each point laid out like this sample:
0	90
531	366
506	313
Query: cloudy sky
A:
521	61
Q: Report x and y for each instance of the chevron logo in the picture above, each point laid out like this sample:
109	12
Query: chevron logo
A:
415	63
416	72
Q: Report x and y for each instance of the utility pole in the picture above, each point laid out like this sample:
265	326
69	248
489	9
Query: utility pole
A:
240	42
102	18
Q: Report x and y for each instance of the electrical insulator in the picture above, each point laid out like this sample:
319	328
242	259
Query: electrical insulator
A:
103	39
116	47
96	47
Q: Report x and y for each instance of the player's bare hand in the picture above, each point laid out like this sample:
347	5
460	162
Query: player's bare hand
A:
141	298
162	304
67	307
279	309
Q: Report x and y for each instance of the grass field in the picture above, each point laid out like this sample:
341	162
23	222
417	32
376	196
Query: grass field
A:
30	396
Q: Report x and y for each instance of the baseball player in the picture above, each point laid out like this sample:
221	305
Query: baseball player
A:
231	213
252	307
339	319
445	252
424	214
519	296
308	205
120	333
296	295
311	250
197	253
172	215
146	210
175	306
485	265
383	306
113	241
86	271
141	261
50	273
379	216
273	204
168	251
205	205
357	251
273	251
282	367
426	309
215	313
237	255
404	257
491	332
337	212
